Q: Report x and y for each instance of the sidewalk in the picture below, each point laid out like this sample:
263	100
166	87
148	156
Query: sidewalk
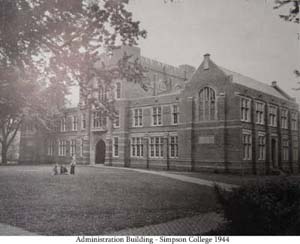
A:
8	230
183	178
196	225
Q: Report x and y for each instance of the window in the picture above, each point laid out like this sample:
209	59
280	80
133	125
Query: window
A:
83	121
137	147
295	149
261	146
74	123
73	147
137	117
245	109
284	119
156	147
173	146
99	119
175	114
117	120
294	121
260	113
81	147
272	116
50	148
63	124
118	90
207	104
247	145
285	149
62	148
156	116
116	146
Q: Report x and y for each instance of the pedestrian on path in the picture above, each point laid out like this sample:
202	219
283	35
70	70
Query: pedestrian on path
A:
72	165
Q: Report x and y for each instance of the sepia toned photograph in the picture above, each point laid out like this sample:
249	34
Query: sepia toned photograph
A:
140	118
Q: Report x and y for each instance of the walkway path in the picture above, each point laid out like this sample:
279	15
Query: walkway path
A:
8	230
184	178
196	225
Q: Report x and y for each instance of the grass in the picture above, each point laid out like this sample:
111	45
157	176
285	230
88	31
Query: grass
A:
94	201
233	178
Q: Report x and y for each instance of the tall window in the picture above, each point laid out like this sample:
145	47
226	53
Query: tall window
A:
118	90
295	149
137	147
73	147
50	147
294	121
81	147
175	114
83	121
272	115
260	113
285	149
207	104
247	145
99	119
156	116
261	146
62	148
284	118
63	124
173	146
116	146
117	120
74	123
245	109
156	147
137	117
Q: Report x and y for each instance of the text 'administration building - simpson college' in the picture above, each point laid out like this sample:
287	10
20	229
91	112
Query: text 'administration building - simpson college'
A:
208	118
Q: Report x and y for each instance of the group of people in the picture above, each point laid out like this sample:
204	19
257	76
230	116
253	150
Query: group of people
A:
63	169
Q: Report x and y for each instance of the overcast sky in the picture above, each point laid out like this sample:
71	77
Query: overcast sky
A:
246	36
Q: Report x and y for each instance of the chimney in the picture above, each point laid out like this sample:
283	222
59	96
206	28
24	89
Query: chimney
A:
206	61
274	83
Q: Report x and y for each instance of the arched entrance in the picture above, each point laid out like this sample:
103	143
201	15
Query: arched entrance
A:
100	152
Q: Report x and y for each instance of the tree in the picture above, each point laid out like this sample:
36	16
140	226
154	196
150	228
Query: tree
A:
47	45
292	15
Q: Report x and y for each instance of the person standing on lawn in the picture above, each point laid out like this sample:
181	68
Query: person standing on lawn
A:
73	164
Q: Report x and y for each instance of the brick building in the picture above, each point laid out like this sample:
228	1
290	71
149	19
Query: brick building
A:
208	118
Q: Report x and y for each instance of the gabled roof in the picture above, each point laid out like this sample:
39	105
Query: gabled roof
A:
256	85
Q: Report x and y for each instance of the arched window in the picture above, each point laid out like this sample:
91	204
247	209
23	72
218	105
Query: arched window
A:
207	104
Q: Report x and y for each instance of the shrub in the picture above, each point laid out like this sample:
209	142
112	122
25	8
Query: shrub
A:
263	208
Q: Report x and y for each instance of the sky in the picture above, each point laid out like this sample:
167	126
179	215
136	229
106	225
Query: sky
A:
245	36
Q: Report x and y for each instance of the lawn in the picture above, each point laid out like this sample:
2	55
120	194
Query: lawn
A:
234	179
95	201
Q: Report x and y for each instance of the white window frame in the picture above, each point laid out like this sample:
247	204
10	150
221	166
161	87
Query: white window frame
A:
116	146
285	149
156	145
117	120
262	146
260	112
62	148
245	108
63	124
74	123
284	118
247	145
137	147
294	120
273	115
137	117
81	147
72	147
157	118
175	114
83	121
173	146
